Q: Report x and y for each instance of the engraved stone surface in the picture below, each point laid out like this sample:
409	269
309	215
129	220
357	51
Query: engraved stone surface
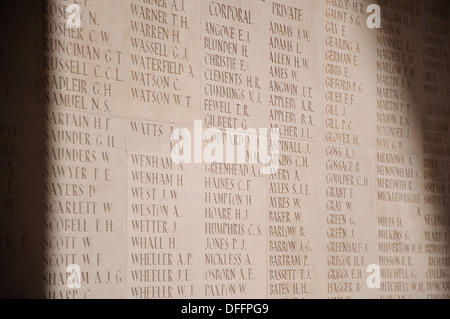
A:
97	96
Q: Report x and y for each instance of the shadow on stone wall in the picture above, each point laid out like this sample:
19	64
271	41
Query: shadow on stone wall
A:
22	162
21	158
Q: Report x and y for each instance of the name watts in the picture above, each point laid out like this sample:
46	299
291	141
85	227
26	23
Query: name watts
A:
157	22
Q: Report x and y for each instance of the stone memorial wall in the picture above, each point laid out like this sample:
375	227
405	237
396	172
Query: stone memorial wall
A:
225	149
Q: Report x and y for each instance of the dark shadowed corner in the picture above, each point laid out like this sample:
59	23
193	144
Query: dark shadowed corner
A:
21	151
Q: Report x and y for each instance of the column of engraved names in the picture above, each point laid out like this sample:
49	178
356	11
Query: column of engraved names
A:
81	70
159	257
396	170
436	79
159	55
346	177
230	95
291	111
